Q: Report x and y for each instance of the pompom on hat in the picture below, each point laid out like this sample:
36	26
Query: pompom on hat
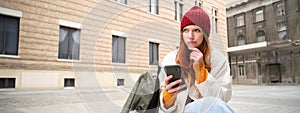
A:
196	16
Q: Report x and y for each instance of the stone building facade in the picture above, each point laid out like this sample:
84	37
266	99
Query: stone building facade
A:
57	44
264	41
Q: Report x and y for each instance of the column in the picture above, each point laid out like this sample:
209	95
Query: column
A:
293	67
237	69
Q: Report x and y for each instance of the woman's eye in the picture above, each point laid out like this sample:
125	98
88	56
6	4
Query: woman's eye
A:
185	30
197	30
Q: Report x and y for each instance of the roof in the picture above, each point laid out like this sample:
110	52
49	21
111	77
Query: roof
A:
232	3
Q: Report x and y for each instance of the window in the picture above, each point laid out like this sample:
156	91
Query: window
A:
280	9
122	1
241	40
241	70
178	6
120	82
215	20
153	6
259	15
7	82
118	49
281	28
260	36
69	43
69	82
282	35
153	53
9	35
240	20
198	3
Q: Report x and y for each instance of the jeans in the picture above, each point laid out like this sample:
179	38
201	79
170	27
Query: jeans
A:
208	105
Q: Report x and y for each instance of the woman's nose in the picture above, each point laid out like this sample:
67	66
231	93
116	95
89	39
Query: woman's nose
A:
190	34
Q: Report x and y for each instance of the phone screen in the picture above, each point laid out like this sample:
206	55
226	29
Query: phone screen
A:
174	70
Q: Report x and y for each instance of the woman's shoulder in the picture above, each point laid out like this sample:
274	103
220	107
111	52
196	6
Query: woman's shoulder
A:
169	59
172	53
216	55
218	61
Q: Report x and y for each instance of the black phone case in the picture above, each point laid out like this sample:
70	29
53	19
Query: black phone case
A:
174	70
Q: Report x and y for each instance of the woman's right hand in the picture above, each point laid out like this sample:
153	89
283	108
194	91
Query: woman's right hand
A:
171	92
170	86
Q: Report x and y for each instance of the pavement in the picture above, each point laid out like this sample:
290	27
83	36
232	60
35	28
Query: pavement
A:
245	99
64	101
265	98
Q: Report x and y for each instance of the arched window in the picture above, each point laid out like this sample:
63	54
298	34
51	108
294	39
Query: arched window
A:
241	40
260	36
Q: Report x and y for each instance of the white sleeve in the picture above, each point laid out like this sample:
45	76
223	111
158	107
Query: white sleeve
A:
218	83
169	59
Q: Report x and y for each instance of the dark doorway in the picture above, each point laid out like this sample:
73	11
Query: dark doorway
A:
274	73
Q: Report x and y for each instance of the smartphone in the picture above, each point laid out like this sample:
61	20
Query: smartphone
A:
174	70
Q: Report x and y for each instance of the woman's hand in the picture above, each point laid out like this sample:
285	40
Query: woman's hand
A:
196	55
170	86
170	92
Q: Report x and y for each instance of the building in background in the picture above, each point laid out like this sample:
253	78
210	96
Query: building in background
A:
264	41
92	43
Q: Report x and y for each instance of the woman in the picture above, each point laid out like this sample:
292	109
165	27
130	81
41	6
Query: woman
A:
205	70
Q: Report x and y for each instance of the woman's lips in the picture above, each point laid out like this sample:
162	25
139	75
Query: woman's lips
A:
192	42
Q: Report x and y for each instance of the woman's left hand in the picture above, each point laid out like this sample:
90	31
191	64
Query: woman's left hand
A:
196	55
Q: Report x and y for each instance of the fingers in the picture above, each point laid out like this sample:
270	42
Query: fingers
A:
195	50
172	84
175	90
168	79
196	55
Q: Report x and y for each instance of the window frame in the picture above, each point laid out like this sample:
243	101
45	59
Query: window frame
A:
178	10
258	36
69	54
118	38
198	3
71	81
155	7
120	82
241	38
282	4
241	69
214	18
12	19
152	54
282	29
238	20
121	2
7	81
259	13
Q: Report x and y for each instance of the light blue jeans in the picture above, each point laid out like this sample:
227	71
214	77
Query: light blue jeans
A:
208	105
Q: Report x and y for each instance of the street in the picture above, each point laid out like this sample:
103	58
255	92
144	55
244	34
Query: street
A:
245	99
265	99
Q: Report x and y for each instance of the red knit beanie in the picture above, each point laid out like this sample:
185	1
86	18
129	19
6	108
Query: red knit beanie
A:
196	16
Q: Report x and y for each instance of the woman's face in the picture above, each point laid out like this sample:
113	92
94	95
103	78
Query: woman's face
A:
192	36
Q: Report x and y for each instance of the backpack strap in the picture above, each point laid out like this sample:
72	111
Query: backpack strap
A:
188	100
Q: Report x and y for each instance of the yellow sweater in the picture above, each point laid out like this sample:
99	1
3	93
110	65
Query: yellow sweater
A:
200	73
